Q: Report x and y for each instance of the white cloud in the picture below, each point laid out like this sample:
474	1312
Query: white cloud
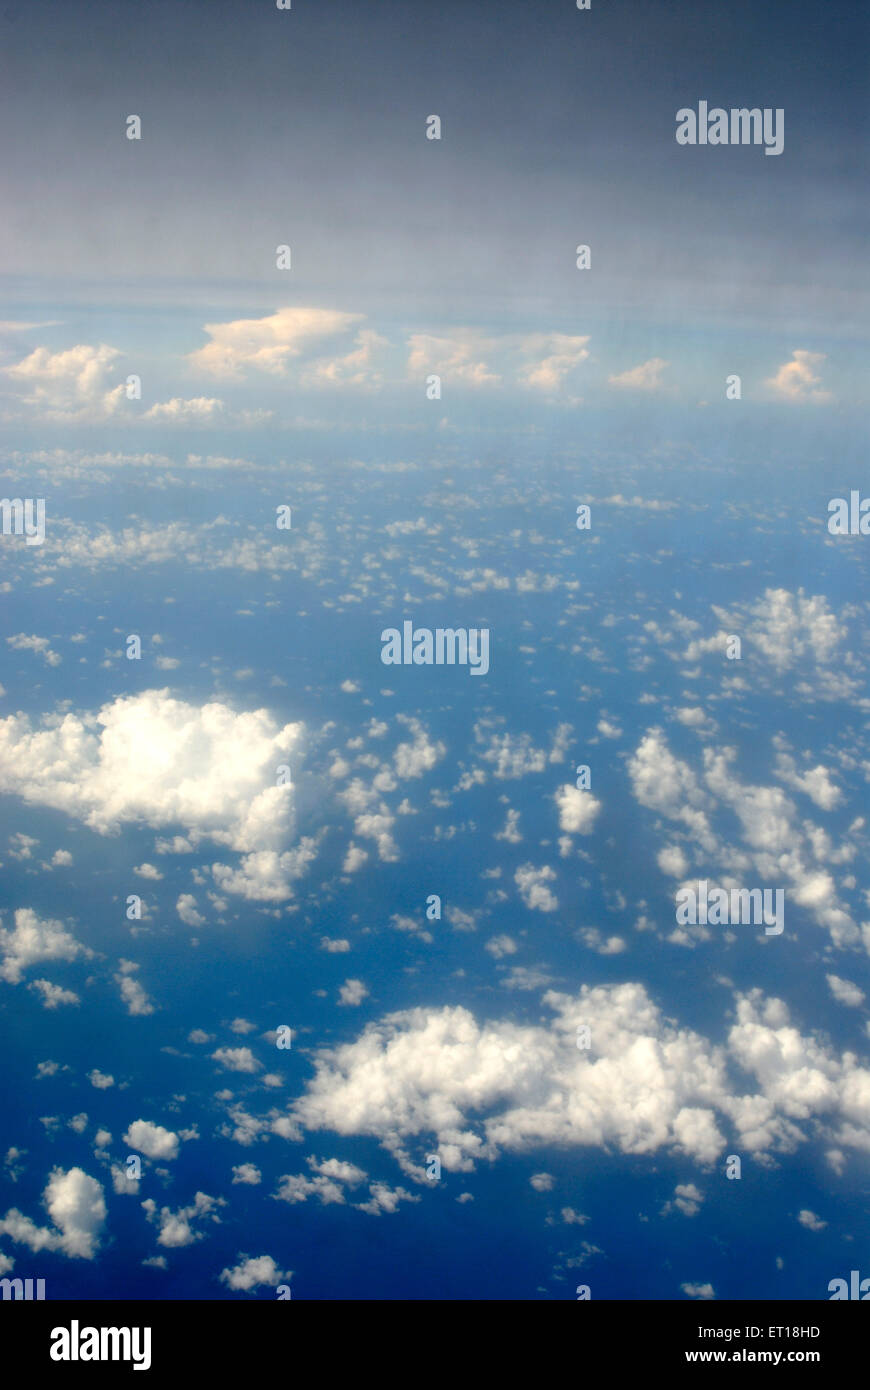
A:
40	645
645	1084
73	384
532	884
248	1174
132	993
578	810
32	941
703	1291
200	410
53	995
811	1221
186	909
384	1199
845	992
268	344
237	1059
152	1140
554	356
542	1182
352	992
149	758
101	1080
796	380
77	1207
460	357
646	377
176	1228
253	1271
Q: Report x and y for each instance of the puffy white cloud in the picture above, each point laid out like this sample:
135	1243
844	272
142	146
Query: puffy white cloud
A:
811	1221
845	992
21	642
384	1199
101	1080
552	357
176	1228
532	884
73	384
200	410
32	941
237	1059
646	377
248	1174
542	1182
155	760
53	995
413	759
702	1291
252	1271
152	1140
132	992
514	755
149	758
299	1188
815	782
796	380
578	810
645	1083
671	860
352	992
687	1198
77	1207
268	344
460	356
186	909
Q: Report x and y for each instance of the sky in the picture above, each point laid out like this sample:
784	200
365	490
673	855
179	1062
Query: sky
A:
328	978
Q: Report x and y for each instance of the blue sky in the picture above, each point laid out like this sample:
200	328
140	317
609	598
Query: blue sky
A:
304	903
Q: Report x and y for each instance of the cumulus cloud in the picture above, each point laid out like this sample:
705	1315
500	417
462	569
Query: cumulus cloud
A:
460	356
268	344
552	356
578	810
796	380
152	1140
176	1228
155	760
77	1207
532	884
132	992
53	995
845	992
702	1291
199	410
253	1271
352	992
73	384
645	1084
21	642
248	1174
237	1059
646	377
811	1221
32	941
